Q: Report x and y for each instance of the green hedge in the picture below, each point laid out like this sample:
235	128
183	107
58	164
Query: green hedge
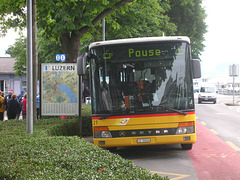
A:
54	151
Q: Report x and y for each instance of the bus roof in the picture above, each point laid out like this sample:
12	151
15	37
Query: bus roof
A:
140	40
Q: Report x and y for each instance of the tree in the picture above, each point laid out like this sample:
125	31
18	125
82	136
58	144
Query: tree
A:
138	19
71	20
47	49
189	18
75	23
18	50
145	19
67	19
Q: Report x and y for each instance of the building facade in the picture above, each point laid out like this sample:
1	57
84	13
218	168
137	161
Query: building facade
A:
8	80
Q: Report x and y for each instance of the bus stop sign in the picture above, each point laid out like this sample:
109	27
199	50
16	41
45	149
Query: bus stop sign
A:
60	57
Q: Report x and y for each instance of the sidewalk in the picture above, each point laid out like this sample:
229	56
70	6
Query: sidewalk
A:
88	139
5	116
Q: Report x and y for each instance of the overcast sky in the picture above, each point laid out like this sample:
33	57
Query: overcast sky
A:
5	42
222	39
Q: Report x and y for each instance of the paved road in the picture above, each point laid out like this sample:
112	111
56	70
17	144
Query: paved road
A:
214	156
222	120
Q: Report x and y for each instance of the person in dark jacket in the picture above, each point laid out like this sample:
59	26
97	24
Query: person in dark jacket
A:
20	98
86	93
7	97
13	107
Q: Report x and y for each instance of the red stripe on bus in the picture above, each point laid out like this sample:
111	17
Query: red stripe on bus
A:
144	115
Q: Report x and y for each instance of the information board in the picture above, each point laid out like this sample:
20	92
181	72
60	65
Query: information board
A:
59	89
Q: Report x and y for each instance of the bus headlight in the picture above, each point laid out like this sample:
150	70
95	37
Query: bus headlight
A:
102	132
185	128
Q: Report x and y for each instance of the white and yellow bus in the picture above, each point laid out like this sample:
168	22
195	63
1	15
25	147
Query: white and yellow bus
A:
142	91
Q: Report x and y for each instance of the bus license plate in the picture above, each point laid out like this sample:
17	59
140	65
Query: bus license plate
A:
144	140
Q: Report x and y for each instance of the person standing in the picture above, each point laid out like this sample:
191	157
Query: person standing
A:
20	98
2	107
38	106
13	107
7	98
86	93
24	106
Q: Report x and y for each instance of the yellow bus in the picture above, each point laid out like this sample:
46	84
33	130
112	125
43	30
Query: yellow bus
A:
142	91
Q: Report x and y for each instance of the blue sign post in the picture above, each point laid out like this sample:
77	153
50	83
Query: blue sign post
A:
60	57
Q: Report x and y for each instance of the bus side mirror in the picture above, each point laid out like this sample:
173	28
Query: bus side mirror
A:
196	68
81	64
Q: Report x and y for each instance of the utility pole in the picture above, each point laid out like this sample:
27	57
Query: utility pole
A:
234	71
35	61
29	67
103	29
31	64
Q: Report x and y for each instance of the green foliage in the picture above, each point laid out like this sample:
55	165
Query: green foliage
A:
189	17
12	15
43	155
140	19
68	25
19	51
47	49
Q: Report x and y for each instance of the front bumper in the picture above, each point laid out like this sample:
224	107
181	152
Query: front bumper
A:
146	140
210	99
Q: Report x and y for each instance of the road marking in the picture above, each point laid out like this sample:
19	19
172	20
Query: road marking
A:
220	113
179	176
233	146
216	155
213	131
203	123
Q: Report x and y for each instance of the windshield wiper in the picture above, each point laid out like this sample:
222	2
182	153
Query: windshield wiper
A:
175	110
104	116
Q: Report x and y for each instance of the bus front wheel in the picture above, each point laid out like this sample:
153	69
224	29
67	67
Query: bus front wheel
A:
186	146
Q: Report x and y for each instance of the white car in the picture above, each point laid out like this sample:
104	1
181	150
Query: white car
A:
207	93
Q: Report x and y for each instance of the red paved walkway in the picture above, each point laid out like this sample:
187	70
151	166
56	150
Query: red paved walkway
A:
212	158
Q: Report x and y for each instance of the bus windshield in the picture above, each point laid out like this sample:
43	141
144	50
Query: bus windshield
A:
141	78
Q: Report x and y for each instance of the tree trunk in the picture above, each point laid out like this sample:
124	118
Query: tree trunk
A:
70	46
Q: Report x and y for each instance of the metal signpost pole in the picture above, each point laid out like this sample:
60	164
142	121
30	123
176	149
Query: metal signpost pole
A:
233	83
103	29
29	68
80	106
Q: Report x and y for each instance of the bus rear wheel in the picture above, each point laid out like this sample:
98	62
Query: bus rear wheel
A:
187	146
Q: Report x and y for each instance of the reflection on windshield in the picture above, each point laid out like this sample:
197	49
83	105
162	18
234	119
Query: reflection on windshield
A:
207	89
152	85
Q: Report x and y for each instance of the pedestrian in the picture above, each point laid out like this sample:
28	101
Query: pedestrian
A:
24	106
19	98
86	93
13	107
2	107
38	106
7	98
